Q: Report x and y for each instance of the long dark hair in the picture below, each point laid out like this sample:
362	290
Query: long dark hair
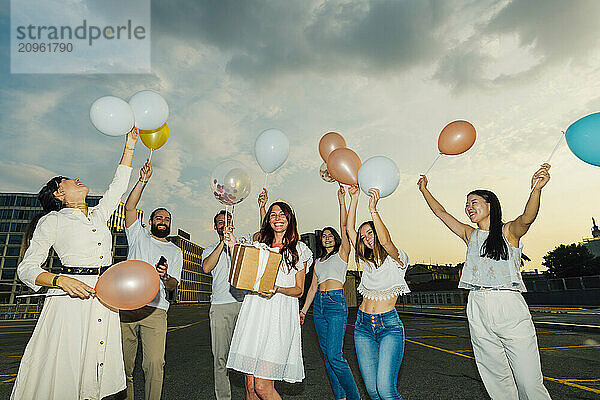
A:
321	250
494	246
290	238
377	253
49	203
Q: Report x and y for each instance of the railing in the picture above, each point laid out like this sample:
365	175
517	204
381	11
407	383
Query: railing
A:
560	284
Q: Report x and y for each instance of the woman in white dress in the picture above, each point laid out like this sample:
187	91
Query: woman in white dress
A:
266	342
75	350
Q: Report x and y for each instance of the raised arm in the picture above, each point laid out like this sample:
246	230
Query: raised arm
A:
351	219
521	224
110	200
461	230
263	198
132	138
382	232
344	250
134	197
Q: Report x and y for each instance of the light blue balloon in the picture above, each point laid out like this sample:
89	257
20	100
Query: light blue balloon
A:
583	138
271	149
381	173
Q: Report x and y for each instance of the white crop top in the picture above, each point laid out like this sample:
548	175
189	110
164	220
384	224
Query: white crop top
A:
482	272
385	281
332	268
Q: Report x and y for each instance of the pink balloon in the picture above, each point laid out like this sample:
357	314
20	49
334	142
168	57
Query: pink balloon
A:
128	285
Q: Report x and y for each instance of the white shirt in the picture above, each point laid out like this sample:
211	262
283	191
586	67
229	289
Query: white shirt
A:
385	281
142	246
220	277
78	240
332	268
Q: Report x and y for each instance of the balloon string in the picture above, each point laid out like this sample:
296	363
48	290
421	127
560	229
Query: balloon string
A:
266	180
562	137
150	157
42	294
434	161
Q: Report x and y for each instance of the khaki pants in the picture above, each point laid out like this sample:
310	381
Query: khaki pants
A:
505	345
222	322
148	324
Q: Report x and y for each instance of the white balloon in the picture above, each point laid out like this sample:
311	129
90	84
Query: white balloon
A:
111	116
381	173
271	149
150	110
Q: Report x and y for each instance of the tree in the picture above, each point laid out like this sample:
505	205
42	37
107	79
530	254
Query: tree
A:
571	260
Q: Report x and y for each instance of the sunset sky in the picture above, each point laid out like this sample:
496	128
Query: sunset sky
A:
386	75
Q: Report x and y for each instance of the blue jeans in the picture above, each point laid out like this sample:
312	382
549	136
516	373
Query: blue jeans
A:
330	313
379	341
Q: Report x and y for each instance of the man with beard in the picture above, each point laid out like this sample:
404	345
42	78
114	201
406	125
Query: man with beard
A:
149	323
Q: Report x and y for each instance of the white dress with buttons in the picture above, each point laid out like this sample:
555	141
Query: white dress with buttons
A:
75	350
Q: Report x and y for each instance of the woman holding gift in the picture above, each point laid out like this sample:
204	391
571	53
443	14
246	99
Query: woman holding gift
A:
75	350
378	333
502	332
330	310
266	342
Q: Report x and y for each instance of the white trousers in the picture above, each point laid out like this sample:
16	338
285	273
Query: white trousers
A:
505	345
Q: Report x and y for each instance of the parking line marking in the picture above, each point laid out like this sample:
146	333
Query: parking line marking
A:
566	382
185	326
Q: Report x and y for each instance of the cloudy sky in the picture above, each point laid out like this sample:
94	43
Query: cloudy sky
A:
387	75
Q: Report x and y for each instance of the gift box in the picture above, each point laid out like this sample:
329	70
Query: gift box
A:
254	267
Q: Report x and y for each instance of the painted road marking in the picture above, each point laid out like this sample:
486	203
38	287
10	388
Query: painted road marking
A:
567	382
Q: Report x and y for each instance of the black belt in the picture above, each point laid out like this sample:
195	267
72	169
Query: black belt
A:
81	270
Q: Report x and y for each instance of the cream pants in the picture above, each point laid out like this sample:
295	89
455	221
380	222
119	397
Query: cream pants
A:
505	345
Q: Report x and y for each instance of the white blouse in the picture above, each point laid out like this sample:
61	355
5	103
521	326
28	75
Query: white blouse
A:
286	277
385	281
78	240
482	272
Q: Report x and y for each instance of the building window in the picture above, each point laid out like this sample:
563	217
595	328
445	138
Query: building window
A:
15	239
8	273
10	262
7	200
13	250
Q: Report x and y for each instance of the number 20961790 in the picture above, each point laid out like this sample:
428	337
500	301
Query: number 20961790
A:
50	47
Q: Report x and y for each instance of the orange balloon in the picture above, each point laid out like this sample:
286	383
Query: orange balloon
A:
343	165
128	285
329	142
456	138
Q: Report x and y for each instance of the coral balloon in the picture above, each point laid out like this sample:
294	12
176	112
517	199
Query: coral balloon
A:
456	138
343	165
329	142
325	175
128	285
156	138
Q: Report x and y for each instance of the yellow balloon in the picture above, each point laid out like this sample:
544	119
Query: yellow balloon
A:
155	138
